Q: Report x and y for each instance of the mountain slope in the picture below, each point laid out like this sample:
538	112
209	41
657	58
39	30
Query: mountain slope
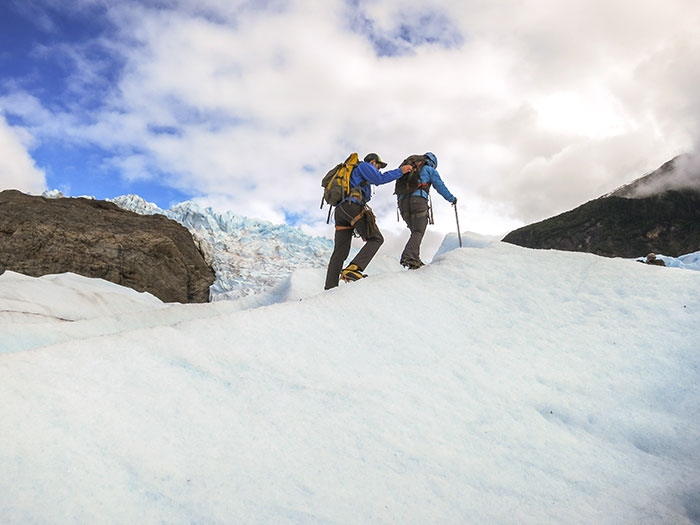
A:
658	213
495	385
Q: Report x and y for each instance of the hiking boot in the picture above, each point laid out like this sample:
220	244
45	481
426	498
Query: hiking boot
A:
412	264
352	273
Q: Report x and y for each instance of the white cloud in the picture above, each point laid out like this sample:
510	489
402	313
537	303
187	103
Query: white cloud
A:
17	168
531	107
684	174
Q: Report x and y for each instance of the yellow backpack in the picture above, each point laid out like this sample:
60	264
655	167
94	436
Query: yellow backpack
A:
336	183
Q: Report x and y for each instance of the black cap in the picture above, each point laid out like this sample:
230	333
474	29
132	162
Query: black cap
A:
374	157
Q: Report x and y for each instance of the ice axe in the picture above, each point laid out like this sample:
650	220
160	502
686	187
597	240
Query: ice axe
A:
459	235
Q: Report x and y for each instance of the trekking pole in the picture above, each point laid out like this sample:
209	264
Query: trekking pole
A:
431	217
459	235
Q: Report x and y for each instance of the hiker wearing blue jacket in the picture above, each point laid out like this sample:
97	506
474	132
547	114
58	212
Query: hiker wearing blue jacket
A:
414	209
353	215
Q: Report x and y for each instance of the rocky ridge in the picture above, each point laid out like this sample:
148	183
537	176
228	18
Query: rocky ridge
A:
40	236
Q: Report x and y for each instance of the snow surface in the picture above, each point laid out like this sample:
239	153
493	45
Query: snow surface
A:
496	385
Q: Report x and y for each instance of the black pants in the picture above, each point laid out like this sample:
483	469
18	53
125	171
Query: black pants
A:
344	214
414	211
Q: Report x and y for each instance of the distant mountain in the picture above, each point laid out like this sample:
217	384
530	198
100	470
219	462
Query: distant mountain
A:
659	212
247	255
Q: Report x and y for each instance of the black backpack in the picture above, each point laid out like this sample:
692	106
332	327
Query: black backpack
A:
410	182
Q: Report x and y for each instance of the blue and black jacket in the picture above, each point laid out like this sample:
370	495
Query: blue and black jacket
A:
429	176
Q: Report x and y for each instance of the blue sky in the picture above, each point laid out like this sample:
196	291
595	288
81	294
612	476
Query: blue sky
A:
532	107
42	45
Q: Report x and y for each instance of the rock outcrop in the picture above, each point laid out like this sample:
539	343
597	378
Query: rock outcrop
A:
620	224
150	253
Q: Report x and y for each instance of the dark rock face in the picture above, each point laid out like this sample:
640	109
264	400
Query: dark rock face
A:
150	253
666	222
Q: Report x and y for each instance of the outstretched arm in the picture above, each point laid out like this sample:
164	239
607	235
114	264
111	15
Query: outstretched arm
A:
439	186
376	177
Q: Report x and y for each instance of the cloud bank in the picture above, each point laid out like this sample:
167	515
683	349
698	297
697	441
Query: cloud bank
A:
531	107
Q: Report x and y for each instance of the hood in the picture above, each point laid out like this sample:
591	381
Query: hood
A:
432	159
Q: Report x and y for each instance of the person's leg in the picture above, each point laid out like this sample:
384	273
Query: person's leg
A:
373	241
414	211
341	248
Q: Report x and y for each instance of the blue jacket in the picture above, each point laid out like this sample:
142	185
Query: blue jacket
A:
429	174
365	172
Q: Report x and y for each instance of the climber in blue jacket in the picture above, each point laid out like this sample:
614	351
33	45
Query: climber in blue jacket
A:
414	209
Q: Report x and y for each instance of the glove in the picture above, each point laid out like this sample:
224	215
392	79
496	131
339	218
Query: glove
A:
454	202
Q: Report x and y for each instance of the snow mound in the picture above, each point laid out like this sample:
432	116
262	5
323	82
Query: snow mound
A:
469	240
66	297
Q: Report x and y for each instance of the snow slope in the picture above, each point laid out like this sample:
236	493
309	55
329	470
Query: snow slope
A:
496	385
